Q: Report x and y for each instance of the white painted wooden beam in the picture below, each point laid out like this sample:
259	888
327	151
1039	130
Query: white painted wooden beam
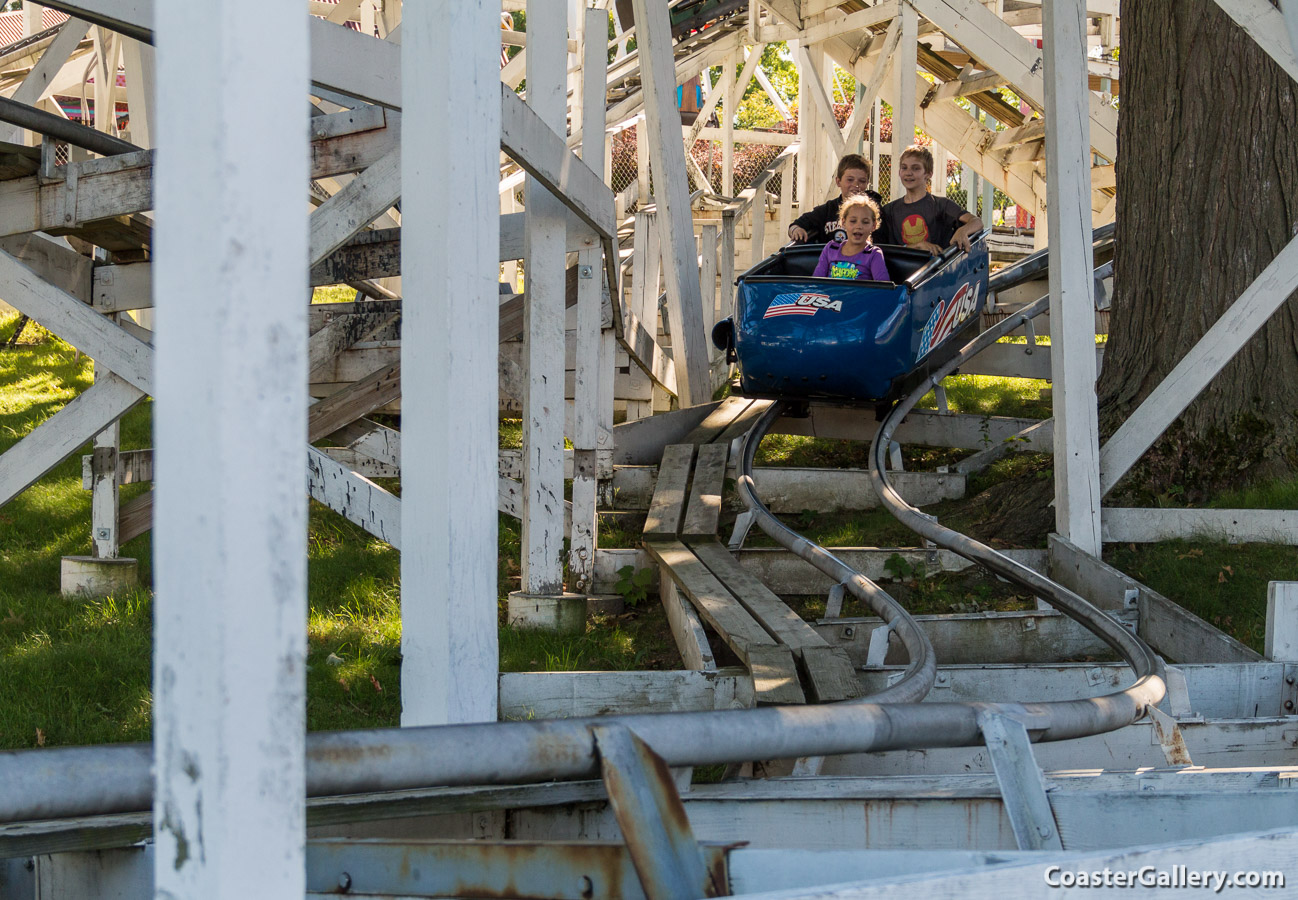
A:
1003	50
449	258
824	106
1235	526
65	432
1199	366
1072	291
544	316
77	323
907	91
841	24
357	499
675	221
360	202
229	424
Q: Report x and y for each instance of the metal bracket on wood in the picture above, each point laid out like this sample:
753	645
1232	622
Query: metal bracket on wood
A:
743	522
652	818
1023	787
1030	330
834	605
878	651
1169	737
1178	694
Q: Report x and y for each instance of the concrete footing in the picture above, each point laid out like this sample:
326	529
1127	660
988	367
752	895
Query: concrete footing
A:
92	577
551	612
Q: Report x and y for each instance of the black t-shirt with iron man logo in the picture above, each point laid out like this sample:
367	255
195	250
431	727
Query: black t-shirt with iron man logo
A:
932	219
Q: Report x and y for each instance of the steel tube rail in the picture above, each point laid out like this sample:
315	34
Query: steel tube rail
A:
38	120
1124	706
921	672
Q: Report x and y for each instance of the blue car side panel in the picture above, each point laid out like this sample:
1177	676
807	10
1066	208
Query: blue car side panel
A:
819	338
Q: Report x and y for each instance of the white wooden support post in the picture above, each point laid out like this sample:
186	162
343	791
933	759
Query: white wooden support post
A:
104	483
808	132
543	331
591	361
708	275
786	201
1072	299
675	221
229	277
32	17
643	175
876	131
449	257
727	257
758	230
903	112
728	101
1282	621
138	58
939	170
107	48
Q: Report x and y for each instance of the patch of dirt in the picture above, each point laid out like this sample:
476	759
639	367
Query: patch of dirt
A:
1013	513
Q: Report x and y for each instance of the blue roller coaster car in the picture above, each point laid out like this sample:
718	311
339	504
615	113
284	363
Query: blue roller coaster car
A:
795	336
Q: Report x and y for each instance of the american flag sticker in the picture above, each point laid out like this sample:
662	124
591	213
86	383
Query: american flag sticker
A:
797	305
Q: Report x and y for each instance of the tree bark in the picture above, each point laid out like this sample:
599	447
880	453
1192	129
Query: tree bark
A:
1207	195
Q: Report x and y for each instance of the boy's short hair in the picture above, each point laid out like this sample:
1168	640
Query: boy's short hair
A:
924	154
852	161
860	200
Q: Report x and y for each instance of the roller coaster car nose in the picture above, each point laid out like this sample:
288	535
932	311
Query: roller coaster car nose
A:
723	336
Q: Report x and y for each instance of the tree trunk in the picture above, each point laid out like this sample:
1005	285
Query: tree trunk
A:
1207	195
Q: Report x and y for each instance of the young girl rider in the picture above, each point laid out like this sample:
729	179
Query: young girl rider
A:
855	257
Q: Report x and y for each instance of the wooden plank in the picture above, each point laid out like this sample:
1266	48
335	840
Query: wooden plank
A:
554	695
782	623
354	497
65	269
341	333
717	421
668	504
65	432
675	222
775	678
360	399
703	510
545	156
128	357
1235	526
1171	630
1217	691
691	640
830	675
642	442
360	202
368	255
743	422
1013	637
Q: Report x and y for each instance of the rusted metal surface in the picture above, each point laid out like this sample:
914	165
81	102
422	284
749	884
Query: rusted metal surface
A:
524	870
652	818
